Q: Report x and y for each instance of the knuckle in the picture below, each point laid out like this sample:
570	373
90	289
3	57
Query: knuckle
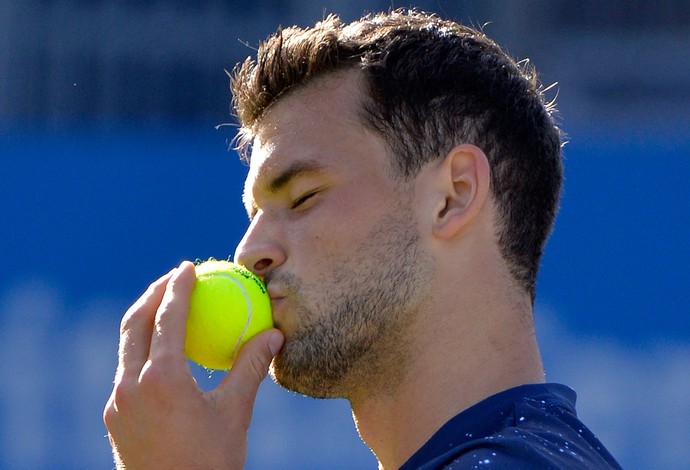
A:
152	377
259	366
120	401
158	378
130	318
110	412
126	322
122	397
138	309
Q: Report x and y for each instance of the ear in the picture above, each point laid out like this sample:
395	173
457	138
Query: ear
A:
465	180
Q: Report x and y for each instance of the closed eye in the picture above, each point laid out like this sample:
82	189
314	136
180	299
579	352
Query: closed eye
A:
302	199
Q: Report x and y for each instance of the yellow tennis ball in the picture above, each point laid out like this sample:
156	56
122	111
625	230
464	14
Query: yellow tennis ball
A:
229	305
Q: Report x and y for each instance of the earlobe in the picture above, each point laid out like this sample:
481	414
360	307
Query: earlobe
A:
464	180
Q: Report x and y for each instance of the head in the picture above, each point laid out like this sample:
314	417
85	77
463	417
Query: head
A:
422	86
430	84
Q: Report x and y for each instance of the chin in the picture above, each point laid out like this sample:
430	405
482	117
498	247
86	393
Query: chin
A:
294	370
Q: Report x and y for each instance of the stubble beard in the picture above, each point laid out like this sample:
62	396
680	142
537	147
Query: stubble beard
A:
356	336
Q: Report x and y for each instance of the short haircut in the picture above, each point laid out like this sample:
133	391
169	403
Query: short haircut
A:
430	84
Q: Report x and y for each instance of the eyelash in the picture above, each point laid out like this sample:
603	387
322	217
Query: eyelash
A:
295	205
301	200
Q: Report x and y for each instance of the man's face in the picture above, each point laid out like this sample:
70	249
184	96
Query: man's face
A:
335	236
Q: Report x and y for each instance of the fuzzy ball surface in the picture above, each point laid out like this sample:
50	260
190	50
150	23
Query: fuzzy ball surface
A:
228	306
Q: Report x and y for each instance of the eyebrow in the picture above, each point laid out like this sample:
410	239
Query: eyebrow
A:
297	168
282	179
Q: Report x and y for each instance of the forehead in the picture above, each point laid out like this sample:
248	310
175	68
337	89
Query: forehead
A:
318	124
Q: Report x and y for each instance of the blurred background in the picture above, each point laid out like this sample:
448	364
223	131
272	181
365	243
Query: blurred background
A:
112	171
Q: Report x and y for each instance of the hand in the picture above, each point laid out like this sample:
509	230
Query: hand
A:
157	416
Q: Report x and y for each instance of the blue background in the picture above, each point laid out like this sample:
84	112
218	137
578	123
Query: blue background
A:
93	209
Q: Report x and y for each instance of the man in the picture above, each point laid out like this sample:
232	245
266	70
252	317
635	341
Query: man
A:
404	176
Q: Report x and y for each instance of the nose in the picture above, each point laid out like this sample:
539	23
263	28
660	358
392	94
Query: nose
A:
260	250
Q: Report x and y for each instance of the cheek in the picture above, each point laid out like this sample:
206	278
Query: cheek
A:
361	204
335	228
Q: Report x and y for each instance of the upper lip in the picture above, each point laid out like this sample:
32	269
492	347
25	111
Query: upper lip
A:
275	291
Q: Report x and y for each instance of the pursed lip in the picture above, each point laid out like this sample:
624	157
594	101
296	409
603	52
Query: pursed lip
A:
275	292
277	295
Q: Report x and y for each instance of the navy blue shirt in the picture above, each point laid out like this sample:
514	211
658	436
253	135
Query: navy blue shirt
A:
526	427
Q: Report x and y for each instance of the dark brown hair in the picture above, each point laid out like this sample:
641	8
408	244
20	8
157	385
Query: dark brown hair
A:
431	84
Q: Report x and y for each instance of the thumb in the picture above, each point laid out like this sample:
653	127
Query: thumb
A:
240	386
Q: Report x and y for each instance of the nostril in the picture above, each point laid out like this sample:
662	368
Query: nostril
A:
261	265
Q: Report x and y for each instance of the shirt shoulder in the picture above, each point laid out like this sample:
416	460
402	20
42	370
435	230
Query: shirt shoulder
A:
528	427
519	450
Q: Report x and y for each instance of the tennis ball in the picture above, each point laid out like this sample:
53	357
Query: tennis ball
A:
228	306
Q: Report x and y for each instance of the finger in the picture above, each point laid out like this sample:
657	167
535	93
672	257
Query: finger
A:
136	329
170	325
238	390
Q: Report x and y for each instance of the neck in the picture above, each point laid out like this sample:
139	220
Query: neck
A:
446	375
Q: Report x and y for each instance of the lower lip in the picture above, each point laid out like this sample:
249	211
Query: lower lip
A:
277	311
276	303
